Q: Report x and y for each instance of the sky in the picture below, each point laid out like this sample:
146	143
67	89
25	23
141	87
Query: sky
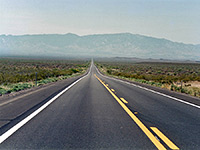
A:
176	20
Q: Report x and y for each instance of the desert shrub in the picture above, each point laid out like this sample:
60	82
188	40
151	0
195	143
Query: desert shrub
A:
109	71
2	91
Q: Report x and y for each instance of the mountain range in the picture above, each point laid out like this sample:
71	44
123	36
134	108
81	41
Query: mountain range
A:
99	45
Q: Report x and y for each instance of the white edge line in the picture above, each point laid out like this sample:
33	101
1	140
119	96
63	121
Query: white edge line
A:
8	133
176	99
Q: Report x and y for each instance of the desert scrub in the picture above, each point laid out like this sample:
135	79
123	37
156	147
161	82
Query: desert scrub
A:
9	88
20	74
2	91
14	87
23	70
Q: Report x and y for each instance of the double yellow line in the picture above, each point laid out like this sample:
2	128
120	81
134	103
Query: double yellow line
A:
141	125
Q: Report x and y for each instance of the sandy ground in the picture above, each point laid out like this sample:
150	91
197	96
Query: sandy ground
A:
194	84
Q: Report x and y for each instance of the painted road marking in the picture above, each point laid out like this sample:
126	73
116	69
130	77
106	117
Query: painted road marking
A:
165	139
123	100
137	121
12	130
113	90
162	94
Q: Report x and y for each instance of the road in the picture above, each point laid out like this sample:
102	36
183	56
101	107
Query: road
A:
97	112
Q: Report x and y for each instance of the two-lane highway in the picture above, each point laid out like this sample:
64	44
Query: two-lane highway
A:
101	113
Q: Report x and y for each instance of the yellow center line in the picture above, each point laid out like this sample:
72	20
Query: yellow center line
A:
165	139
137	121
123	100
113	90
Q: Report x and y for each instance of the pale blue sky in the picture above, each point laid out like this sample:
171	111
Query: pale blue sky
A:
176	20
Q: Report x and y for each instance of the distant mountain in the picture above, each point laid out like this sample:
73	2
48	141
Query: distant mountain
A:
101	45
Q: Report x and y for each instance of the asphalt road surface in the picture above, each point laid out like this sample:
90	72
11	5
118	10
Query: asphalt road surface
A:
97	112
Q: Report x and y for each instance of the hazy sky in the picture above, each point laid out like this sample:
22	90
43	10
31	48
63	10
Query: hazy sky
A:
176	20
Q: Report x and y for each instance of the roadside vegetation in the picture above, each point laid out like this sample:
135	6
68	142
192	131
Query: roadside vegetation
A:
184	78
20	74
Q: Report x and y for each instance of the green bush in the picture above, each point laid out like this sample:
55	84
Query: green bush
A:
2	91
75	70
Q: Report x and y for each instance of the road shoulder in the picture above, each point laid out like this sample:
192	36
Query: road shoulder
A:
181	96
14	106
